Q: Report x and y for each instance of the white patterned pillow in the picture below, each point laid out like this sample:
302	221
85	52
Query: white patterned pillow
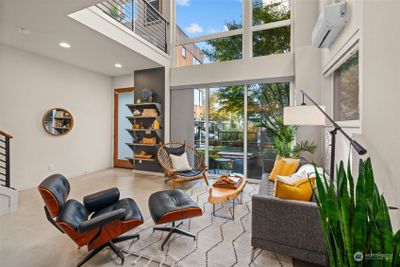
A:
292	178
180	162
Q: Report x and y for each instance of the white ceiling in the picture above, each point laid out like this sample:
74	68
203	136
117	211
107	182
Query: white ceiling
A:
49	25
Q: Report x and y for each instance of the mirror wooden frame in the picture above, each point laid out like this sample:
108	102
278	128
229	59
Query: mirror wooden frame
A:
61	133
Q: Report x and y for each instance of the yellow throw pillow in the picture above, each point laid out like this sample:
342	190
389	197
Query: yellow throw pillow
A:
284	167
301	190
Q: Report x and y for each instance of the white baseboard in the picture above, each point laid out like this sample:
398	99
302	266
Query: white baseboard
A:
148	173
8	200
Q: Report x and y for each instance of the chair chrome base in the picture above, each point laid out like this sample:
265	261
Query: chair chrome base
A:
172	230
112	246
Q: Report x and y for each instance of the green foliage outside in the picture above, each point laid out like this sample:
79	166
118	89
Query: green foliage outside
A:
355	220
116	13
266	101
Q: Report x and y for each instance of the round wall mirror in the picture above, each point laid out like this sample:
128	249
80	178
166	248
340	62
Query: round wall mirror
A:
58	121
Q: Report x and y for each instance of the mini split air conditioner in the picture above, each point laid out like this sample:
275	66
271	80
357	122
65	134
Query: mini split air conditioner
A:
330	23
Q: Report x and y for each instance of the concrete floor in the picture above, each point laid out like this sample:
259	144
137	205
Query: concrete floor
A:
28	239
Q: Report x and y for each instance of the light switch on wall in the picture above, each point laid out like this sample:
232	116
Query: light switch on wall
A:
51	167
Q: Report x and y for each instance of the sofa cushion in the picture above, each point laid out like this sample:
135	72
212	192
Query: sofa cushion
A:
175	150
300	190
284	166
180	162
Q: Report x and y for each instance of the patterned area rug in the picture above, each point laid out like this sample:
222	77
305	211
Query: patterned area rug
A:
219	242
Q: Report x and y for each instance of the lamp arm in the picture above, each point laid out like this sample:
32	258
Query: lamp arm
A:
359	148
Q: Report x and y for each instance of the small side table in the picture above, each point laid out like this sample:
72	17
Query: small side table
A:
220	161
218	195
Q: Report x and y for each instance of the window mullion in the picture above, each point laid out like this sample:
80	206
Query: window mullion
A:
247	46
245	128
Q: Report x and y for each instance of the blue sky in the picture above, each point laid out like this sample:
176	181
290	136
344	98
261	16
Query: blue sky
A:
200	17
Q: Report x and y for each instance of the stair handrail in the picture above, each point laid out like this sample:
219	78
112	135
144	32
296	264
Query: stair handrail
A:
6	159
6	134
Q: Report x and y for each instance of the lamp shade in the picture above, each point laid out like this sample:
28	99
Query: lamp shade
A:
303	115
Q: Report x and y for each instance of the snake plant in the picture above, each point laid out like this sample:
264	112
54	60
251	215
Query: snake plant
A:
355	220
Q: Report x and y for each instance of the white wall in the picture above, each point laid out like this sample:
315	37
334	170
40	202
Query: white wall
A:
381	95
123	81
375	25
32	84
307	69
273	68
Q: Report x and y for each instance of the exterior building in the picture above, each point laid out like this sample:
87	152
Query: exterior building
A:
187	55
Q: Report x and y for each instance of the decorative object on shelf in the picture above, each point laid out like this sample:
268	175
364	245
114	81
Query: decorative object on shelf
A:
137	126
57	121
136	139
143	155
149	112
147	96
156	125
137	112
138	101
149	140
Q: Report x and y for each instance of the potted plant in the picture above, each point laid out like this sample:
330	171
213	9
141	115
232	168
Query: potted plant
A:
355	220
284	145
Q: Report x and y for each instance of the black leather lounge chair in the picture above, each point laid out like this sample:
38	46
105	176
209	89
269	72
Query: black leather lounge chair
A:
97	223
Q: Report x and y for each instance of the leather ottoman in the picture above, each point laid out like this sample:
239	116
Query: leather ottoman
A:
170	206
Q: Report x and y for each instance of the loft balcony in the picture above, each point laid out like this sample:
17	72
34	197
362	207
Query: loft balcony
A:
140	17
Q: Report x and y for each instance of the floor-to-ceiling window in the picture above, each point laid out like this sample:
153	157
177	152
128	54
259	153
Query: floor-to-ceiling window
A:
216	32
234	126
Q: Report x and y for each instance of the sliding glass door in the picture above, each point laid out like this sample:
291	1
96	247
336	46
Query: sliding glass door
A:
234	126
200	121
225	129
265	104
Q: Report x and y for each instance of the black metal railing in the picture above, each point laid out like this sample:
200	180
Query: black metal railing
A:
5	159
141	17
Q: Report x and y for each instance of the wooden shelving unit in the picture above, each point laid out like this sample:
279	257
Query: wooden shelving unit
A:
147	164
140	144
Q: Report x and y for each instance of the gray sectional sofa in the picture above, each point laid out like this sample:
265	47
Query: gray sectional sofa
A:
287	227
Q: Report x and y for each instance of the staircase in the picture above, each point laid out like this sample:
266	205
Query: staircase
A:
8	195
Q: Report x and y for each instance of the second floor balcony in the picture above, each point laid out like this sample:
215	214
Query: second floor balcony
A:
141	17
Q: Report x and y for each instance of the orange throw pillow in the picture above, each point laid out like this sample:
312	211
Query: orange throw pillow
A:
301	190
284	167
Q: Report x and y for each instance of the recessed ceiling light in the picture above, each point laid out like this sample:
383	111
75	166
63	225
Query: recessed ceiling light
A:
24	30
117	65
65	45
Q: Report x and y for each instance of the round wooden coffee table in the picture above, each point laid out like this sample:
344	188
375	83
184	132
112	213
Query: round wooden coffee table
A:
218	195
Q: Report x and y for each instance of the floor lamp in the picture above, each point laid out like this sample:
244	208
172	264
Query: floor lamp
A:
316	115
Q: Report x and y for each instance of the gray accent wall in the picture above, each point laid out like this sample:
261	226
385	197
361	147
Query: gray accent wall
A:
182	119
153	79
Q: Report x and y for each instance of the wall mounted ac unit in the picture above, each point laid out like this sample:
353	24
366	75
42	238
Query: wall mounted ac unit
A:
330	23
